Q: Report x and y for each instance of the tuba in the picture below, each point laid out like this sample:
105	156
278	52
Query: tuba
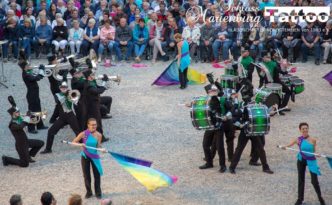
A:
74	96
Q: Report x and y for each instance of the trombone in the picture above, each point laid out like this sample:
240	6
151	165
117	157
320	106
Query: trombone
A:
35	117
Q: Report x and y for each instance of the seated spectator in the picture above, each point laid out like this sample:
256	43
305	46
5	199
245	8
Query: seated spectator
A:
291	40
140	37
152	21
310	39
28	14
257	39
132	13
75	37
43	36
119	14
145	10
27	33
11	14
13	6
15	200
134	23
47	199
75	199
52	12
55	22
182	20
87	5
123	37
62	6
327	41
107	36
69	10
192	34
240	39
171	29
157	39
42	14
12	35
104	17
223	39
100	11
207	36
60	36
91	38
77	4
43	6
273	40
73	17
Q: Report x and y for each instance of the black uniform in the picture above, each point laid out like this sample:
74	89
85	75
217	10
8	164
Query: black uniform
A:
93	92
105	105
80	108
66	117
32	96
22	144
54	85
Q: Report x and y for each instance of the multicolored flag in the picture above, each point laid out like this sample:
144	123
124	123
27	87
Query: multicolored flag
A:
150	178
170	76
328	77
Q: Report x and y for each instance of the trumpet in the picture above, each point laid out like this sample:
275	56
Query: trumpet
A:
46	73
115	78
74	96
35	117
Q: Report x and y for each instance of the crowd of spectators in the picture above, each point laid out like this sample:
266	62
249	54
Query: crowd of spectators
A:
135	29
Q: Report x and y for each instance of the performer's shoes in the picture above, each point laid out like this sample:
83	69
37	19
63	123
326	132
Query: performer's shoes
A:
206	166
298	202
88	195
31	160
107	116
105	139
182	87
4	162
222	169
254	164
46	151
268	171
232	171
99	196
293	96
33	131
281	113
321	200
42	128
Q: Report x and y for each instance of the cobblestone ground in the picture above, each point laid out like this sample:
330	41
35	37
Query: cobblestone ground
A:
148	123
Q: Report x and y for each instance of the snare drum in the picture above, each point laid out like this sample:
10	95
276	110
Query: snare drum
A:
200	113
232	70
259	120
298	85
267	97
275	88
229	81
286	79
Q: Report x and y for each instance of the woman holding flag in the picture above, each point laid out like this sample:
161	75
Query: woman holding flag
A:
307	144
90	157
183	59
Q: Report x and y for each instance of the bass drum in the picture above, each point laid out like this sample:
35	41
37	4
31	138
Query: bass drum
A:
267	97
259	119
201	115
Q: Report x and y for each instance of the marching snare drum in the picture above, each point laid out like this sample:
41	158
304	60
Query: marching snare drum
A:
267	97
200	113
229	81
286	79
231	69
275	88
298	85
259	119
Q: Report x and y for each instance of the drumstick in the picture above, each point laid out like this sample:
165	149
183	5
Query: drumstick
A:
277	111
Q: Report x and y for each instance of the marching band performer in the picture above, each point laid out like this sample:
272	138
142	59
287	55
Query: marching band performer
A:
93	92
22	143
245	66
308	144
92	138
54	85
66	116
31	81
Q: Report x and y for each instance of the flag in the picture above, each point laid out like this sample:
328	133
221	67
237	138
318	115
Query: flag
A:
217	65
131	159
170	76
150	178
328	77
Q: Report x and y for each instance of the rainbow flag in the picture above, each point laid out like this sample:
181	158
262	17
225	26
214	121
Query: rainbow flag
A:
150	178
170	76
133	160
328	77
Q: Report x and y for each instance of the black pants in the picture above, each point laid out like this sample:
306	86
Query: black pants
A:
63	120
242	142
229	132
86	163
254	154
183	77
81	113
301	168
24	153
56	113
208	140
105	105
287	95
295	50
206	51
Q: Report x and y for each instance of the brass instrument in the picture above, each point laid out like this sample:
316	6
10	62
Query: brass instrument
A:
46	73
74	96
115	78
35	117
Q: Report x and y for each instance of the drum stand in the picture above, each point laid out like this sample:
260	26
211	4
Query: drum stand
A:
2	76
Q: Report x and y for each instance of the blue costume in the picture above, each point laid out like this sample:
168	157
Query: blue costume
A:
184	63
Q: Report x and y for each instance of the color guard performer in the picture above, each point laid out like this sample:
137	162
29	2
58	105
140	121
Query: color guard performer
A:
22	143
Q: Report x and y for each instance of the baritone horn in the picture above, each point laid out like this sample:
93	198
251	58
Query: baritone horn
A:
115	78
35	117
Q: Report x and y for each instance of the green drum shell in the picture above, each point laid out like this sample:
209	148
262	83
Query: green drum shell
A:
228	81
231	71
298	85
200	113
259	120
